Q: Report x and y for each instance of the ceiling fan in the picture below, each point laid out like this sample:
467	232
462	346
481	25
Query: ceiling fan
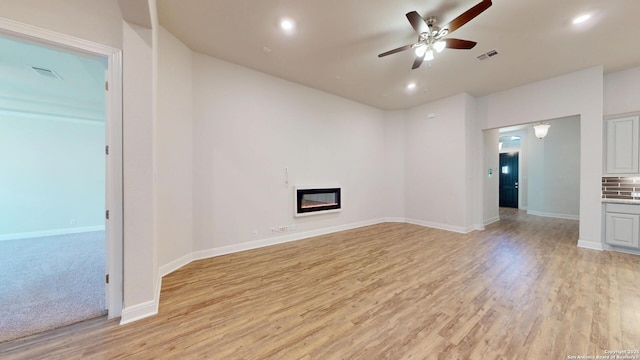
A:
432	37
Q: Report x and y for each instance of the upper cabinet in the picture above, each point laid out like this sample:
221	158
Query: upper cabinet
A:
622	154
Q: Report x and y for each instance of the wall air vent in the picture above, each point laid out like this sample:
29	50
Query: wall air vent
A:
487	55
46	73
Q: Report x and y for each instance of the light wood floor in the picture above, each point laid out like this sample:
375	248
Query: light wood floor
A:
521	289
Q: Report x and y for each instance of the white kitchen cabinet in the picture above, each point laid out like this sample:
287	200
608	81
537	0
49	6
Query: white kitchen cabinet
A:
622	225
622	145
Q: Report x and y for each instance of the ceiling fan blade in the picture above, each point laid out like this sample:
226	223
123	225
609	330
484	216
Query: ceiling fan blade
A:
417	62
417	21
402	48
467	16
459	44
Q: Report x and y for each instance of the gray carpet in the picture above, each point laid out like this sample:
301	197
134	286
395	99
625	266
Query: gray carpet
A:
50	282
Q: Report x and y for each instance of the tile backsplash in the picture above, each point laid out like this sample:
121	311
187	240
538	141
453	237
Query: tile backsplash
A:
620	187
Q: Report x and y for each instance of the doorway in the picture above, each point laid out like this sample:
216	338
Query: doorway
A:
549	169
52	188
111	93
508	184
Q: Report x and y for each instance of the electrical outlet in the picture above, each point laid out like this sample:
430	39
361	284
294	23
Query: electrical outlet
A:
255	233
280	229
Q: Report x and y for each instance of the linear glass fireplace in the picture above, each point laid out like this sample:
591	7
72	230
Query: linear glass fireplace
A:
311	201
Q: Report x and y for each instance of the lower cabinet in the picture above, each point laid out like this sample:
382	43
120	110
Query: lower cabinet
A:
622	227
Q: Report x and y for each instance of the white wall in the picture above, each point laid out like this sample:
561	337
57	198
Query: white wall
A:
622	92
52	179
554	170
174	150
536	170
138	160
394	174
94	20
491	181
473	167
526	136
249	126
578	93
436	164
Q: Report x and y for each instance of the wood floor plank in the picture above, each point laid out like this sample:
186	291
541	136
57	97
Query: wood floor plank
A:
521	289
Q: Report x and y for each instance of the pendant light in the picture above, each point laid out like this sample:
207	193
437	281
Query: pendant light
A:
541	130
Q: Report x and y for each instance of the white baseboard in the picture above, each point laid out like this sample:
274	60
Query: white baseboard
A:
395	220
165	270
139	311
458	229
621	249
492	220
554	215
35	234
175	265
229	249
593	245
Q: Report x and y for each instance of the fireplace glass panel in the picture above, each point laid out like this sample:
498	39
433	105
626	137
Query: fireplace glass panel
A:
317	200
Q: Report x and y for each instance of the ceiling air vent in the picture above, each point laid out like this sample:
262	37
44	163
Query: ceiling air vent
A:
487	55
46	73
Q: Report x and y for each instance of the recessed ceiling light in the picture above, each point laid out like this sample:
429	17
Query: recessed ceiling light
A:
287	25
581	19
411	86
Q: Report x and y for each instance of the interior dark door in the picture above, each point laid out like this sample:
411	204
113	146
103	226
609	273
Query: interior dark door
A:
509	180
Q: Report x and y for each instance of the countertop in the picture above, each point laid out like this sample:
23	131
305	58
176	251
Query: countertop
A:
621	201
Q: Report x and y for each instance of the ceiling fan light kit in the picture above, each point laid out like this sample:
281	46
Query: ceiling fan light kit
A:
428	55
439	45
432	37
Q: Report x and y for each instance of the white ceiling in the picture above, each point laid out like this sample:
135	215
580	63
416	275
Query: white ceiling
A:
78	94
336	43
